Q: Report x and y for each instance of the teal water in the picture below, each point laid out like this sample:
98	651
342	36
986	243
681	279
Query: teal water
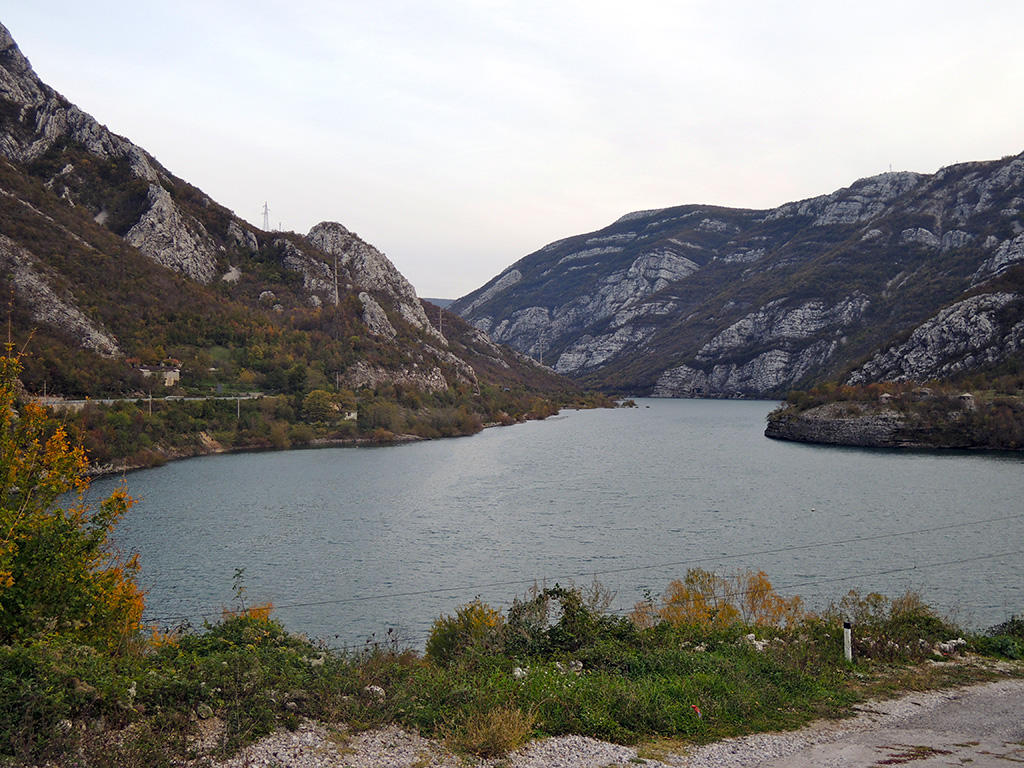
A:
351	542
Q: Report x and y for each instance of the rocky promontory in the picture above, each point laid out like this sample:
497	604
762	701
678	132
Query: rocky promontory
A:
838	424
920	419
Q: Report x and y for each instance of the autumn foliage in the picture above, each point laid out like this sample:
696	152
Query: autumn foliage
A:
58	574
706	599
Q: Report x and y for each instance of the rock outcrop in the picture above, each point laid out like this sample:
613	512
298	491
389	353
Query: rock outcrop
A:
974	333
40	123
44	117
914	418
164	235
866	426
48	306
365	266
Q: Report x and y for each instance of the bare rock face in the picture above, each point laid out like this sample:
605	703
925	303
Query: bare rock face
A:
48	306
865	425
776	323
242	238
963	336
163	233
46	116
531	329
505	280
770	371
363	374
317	276
376	318
591	352
165	236
862	201
798	338
1007	254
368	268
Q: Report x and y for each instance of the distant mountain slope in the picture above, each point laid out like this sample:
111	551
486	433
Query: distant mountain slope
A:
899	275
112	261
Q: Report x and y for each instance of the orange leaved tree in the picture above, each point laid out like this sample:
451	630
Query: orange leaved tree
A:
58	574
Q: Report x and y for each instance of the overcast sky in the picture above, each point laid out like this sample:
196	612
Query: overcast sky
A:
459	135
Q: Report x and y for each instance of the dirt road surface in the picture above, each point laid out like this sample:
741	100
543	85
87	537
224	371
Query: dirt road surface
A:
981	727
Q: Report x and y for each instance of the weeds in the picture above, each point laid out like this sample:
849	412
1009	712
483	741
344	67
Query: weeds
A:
555	664
493	733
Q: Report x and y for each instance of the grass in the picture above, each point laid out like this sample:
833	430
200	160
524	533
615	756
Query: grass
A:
246	675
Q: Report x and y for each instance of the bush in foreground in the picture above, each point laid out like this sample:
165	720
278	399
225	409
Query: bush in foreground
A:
57	571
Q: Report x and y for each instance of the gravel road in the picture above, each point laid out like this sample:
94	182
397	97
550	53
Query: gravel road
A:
977	726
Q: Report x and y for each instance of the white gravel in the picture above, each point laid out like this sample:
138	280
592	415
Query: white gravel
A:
315	745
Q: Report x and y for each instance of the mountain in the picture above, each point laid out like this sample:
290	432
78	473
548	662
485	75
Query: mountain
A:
112	262
900	276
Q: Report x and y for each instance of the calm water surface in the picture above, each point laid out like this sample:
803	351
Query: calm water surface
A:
350	542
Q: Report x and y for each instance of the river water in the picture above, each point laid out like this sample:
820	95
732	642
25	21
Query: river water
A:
348	543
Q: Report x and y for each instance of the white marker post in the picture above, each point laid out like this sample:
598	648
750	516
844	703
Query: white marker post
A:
847	641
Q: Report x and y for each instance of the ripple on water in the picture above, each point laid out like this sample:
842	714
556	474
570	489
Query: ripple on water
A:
686	483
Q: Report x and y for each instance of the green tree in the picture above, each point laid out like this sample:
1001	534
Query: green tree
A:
57	571
319	405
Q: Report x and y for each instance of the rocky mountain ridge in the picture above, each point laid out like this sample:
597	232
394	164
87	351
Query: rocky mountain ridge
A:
107	253
901	275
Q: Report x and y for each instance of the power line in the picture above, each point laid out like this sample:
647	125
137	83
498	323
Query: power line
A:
610	571
817	582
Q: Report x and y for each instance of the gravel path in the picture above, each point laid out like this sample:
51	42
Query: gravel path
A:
981	725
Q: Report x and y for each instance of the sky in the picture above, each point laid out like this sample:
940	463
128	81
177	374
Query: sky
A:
457	136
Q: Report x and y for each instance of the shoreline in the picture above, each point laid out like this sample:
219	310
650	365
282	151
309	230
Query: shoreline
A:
858	424
210	447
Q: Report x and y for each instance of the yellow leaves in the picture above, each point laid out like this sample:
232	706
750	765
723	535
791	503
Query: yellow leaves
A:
474	624
701	598
56	569
259	612
705	599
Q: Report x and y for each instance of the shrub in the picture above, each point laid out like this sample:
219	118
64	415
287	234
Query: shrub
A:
57	571
704	599
533	629
1005	639
474	627
890	628
1013	626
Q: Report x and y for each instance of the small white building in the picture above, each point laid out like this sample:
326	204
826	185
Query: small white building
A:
168	375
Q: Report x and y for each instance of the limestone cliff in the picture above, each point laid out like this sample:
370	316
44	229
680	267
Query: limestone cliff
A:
893	276
359	263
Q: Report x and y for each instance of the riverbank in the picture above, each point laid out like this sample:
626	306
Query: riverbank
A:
127	435
491	689
210	447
